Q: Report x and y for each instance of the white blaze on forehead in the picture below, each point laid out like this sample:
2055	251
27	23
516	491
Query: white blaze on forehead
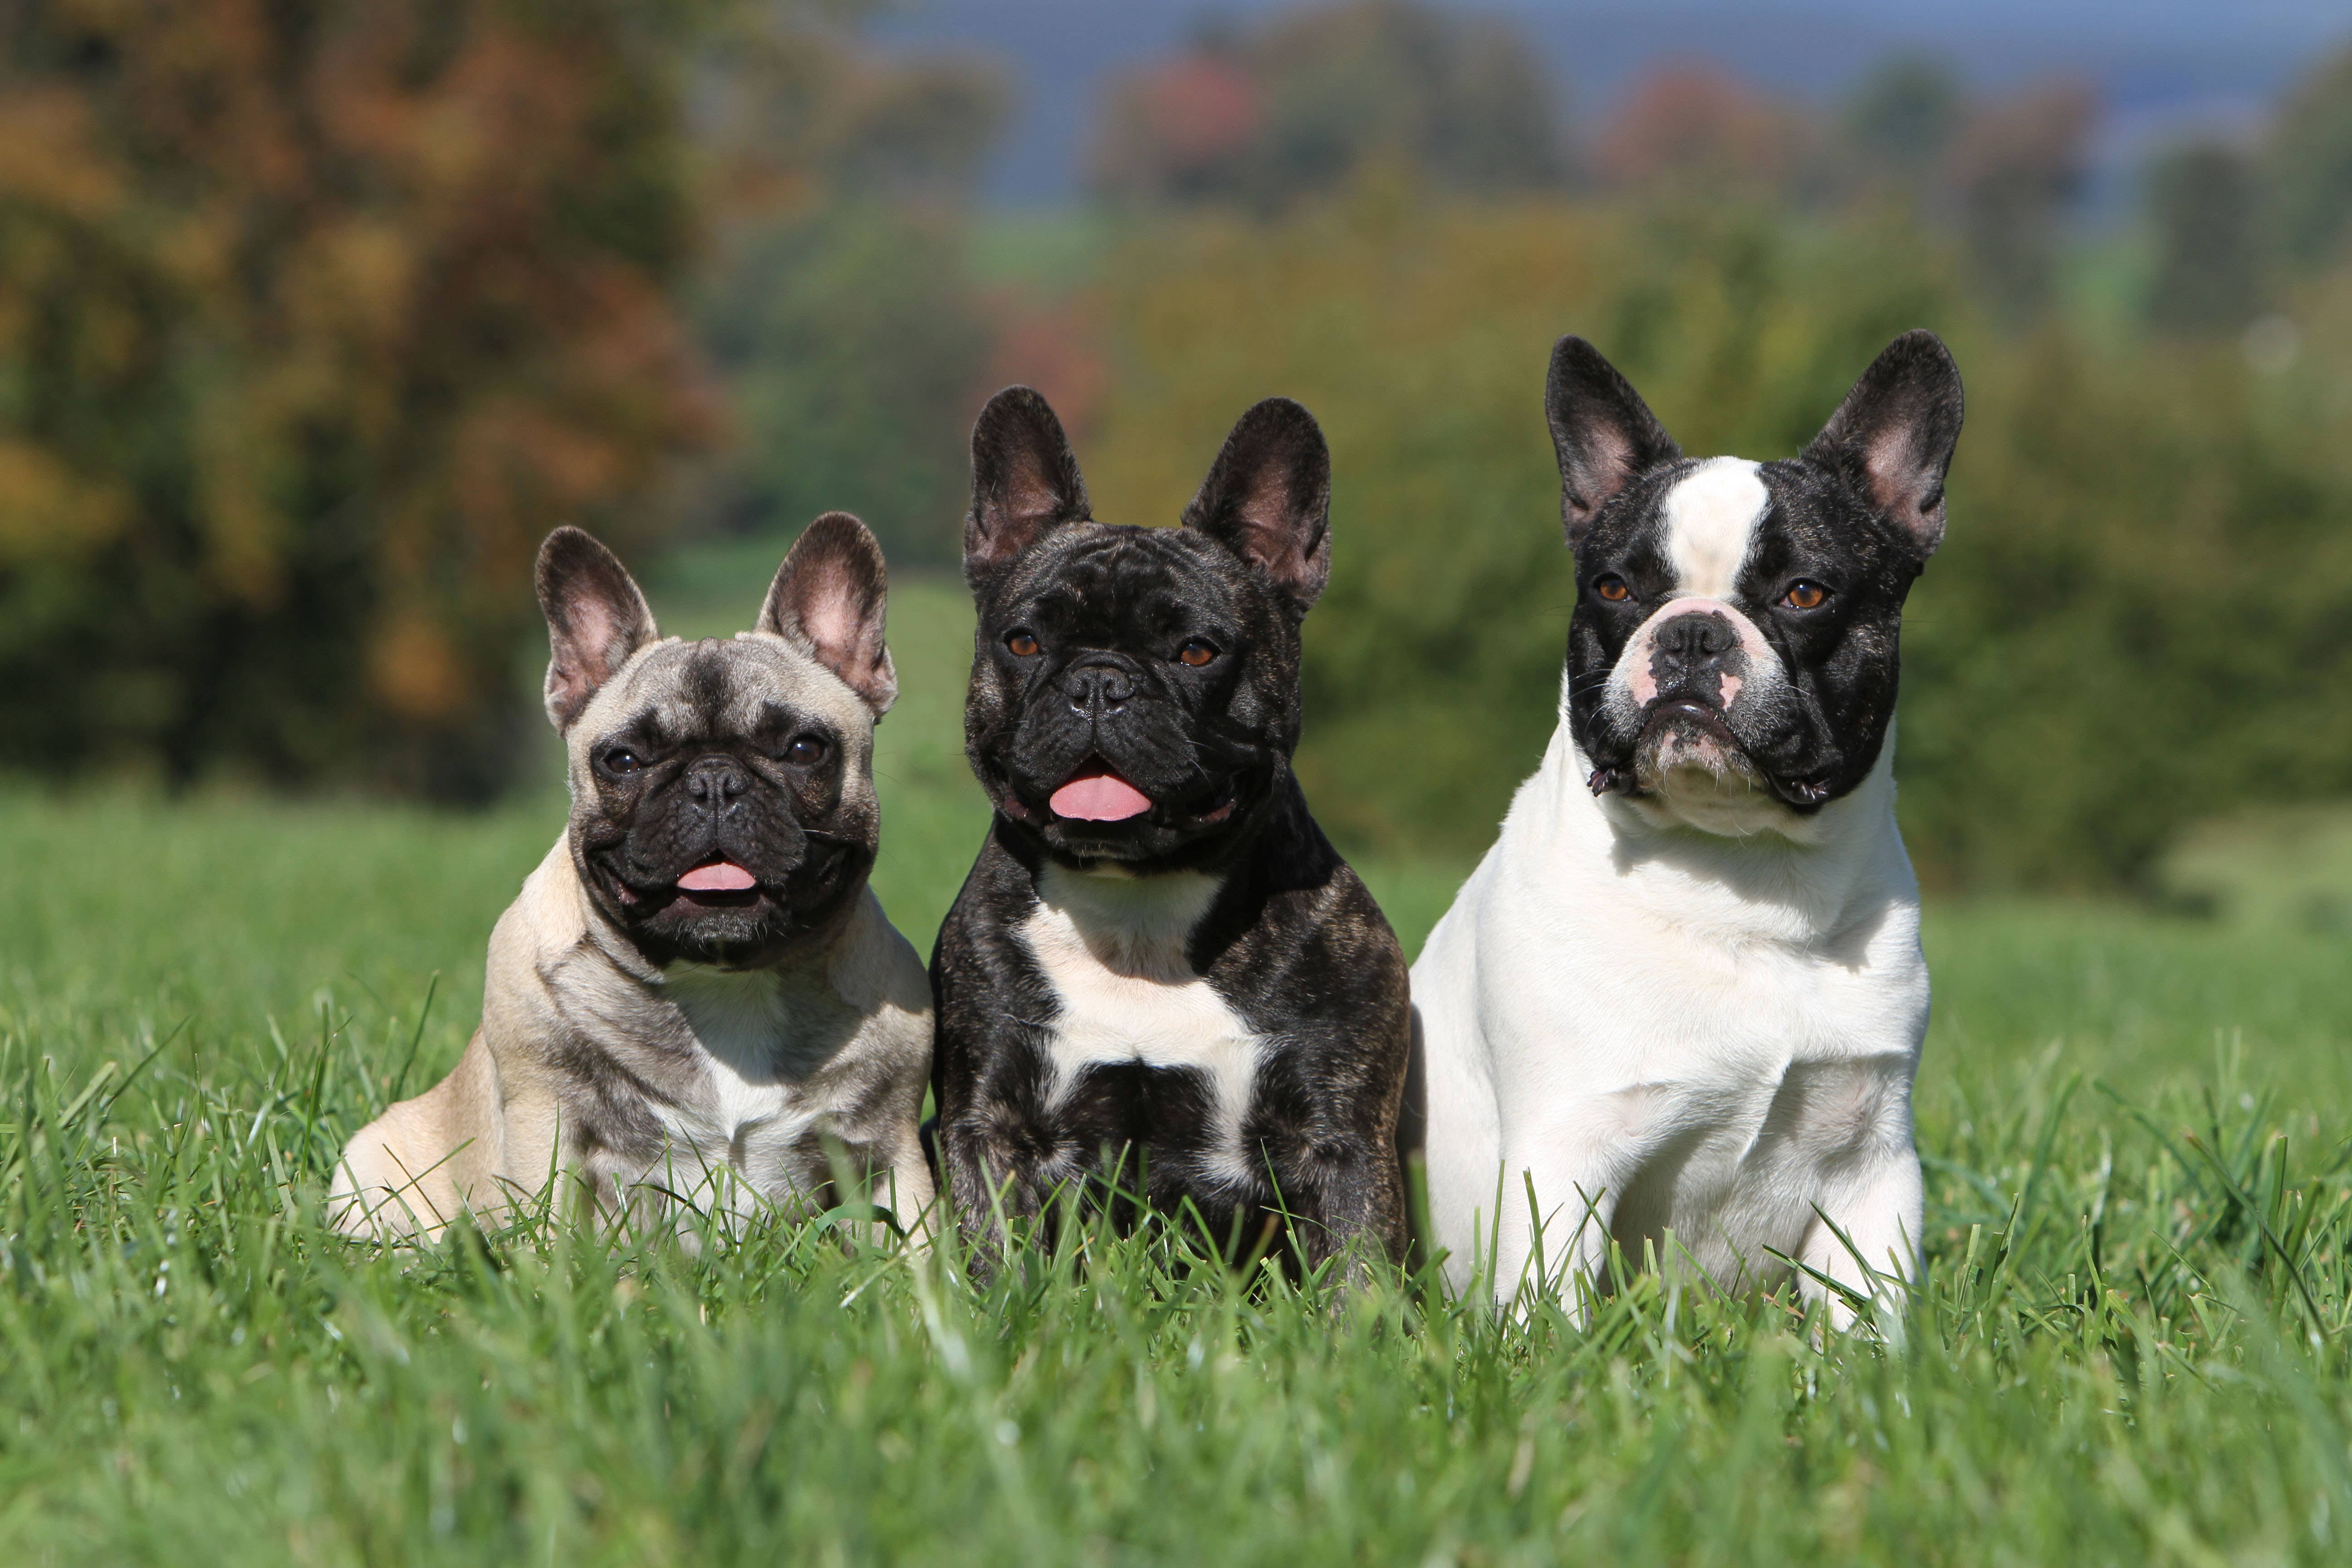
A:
1711	519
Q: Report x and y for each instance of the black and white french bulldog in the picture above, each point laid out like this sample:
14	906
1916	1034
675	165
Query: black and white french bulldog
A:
1159	980
1683	992
697	1003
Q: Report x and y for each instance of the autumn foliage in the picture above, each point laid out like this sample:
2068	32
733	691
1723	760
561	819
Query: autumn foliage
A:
1298	105
314	315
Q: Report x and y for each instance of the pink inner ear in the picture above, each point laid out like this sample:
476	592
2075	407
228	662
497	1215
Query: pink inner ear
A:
583	658
1884	460
838	638
1265	509
827	613
594	633
1615	453
1029	493
1611	466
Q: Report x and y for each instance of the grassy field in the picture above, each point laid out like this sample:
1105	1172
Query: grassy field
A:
2131	1348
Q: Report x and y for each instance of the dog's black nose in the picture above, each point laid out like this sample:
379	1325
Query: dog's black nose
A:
1097	691
1698	636
714	782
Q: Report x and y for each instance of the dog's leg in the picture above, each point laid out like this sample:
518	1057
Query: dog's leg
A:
905	1187
1346	1196
993	1180
1548	1233
1865	1236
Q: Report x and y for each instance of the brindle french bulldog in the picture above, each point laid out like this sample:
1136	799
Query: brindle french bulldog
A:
1159	981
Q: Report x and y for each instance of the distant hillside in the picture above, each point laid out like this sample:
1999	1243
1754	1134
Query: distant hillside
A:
2159	64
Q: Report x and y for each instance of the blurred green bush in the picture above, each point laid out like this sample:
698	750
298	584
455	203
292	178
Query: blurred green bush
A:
2284	868
2142	615
837	307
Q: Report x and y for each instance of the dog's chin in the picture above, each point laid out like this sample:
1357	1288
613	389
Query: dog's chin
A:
1685	749
1689	770
735	930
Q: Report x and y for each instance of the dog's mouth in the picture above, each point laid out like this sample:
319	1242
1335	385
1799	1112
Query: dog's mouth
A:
1098	793
1685	742
1688	713
718	885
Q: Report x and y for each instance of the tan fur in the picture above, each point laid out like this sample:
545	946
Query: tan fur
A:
662	1098
489	1137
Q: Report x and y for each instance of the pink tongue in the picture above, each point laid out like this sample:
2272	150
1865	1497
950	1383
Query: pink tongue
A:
724	877
1100	797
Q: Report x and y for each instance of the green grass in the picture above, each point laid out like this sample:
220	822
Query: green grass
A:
2131	1347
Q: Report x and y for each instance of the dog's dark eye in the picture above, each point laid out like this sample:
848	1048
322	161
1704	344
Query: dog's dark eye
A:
1196	653
1022	645
1804	595
805	751
1611	587
622	762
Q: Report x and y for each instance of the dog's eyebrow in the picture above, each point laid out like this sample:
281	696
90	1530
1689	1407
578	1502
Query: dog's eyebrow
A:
648	727
773	715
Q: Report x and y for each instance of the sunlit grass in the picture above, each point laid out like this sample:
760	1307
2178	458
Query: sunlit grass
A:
2131	1346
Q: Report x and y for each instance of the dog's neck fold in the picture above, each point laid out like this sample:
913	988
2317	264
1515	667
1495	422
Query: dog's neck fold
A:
1805	877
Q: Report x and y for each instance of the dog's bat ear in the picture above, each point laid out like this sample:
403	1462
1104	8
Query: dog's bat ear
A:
828	601
596	619
1602	433
1025	482
1268	499
1892	439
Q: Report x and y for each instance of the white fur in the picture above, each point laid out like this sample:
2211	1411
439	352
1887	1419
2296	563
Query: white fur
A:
1112	945
749	1131
1711	519
1696	1014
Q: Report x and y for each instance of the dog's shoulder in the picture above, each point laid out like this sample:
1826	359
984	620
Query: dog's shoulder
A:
872	966
540	952
978	940
876	973
1296	936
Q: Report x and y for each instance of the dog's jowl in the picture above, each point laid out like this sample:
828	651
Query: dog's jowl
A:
1680	1002
696	1006
1159	982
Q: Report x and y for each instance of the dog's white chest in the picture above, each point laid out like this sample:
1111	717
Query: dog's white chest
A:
1711	1037
1113	949
751	1115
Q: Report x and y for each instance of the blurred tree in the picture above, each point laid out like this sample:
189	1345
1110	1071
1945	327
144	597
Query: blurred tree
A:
1693	126
1298	105
1182	131
2308	165
2015	165
314	315
1902	119
838	305
2201	220
852	341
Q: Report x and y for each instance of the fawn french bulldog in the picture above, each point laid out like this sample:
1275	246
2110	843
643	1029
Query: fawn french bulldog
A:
695	993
